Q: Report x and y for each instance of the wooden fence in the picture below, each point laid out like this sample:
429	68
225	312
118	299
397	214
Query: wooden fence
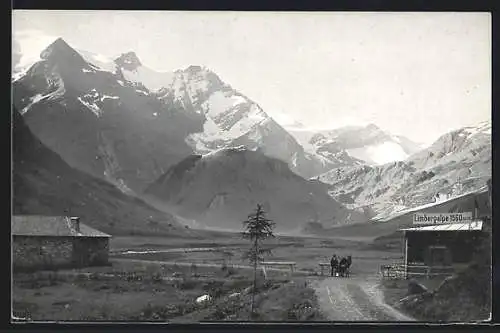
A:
290	264
402	271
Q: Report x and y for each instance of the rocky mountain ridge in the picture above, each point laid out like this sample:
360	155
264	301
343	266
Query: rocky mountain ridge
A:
100	123
458	162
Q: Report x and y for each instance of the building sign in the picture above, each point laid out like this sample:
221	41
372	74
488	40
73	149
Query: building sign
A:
441	218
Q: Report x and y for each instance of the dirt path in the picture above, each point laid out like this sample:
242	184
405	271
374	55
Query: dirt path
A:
355	299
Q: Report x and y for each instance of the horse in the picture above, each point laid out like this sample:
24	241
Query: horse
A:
347	269
344	265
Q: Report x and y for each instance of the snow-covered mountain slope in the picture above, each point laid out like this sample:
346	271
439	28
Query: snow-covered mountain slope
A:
378	154
134	71
457	162
100	123
231	118
362	143
99	60
219	189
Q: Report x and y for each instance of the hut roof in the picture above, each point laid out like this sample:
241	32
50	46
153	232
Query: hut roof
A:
469	226
37	225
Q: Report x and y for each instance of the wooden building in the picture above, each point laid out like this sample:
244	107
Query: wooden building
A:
442	245
40	242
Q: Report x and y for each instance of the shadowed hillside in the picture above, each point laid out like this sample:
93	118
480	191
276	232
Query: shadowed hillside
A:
44	184
221	188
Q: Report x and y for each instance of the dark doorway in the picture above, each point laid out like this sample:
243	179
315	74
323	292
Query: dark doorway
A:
439	255
81	252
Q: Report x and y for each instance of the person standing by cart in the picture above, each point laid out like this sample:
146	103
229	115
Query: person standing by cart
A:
334	263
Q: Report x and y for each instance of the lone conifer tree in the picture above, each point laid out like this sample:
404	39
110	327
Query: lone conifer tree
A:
257	229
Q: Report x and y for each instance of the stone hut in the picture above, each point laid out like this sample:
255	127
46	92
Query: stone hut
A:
40	242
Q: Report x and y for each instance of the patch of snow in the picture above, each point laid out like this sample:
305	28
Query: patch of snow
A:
294	160
383	153
87	70
245	126
142	92
120	82
211	132
197	143
214	153
98	61
155	114
19	74
220	102
91	106
210	129
35	99
57	81
248	122
151	79
103	97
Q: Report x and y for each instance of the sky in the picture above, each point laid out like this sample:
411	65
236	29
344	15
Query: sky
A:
414	74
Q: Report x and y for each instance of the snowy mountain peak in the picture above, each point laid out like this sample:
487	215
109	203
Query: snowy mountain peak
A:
129	61
367	143
200	74
196	69
59	50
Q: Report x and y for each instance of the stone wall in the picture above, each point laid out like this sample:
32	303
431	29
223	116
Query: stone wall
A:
41	252
30	252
